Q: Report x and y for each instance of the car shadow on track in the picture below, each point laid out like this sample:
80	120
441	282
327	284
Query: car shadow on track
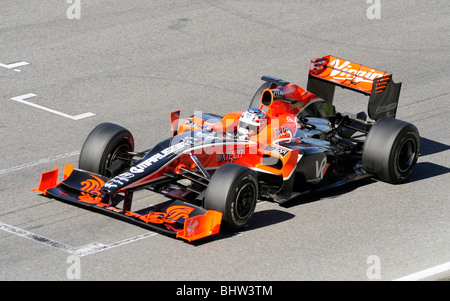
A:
260	219
429	147
426	170
264	218
422	170
327	193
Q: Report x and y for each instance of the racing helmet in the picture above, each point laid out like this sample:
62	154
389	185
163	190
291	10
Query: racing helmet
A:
251	121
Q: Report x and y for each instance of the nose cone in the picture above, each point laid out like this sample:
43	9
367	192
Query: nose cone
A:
118	182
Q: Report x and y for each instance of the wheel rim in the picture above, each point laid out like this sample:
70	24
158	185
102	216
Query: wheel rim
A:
406	155
119	151
245	200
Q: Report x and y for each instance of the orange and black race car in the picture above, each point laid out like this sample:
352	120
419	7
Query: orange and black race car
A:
213	169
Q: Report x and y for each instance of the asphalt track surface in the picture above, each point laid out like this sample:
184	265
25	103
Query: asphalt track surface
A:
133	62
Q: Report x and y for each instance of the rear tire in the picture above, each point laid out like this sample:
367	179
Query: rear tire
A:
101	148
391	150
233	191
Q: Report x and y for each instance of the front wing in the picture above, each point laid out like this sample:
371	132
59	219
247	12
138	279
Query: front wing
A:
173	217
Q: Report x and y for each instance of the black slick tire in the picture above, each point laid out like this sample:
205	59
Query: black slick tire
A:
233	191
391	150
103	145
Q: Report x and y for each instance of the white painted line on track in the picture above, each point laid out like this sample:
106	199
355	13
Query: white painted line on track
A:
38	162
14	65
21	99
88	249
98	247
434	271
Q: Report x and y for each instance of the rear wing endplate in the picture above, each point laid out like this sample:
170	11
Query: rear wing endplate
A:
327	72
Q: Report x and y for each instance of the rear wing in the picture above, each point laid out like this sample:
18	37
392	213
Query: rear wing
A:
328	72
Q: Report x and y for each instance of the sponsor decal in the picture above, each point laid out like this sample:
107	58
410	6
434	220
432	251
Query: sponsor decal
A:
120	179
278	93
172	214
277	150
320	168
382	109
91	190
158	156
230	156
191	227
357	74
282	131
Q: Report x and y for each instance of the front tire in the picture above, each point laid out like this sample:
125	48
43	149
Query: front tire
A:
391	150
233	191
103	146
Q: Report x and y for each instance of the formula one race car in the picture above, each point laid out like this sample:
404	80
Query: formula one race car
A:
213	169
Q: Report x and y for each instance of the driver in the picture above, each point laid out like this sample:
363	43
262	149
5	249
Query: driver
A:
251	122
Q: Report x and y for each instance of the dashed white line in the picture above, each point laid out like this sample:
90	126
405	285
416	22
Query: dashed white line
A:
21	99
41	161
79	251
